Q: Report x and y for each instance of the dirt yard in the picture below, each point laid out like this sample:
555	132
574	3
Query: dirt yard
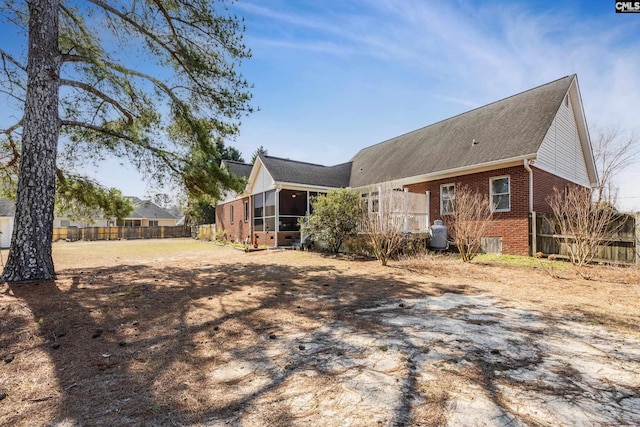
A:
179	332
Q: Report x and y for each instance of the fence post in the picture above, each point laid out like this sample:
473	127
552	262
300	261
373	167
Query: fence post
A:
637	242
534	234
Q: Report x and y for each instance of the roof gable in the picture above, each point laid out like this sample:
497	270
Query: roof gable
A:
294	172
148	209
566	148
506	130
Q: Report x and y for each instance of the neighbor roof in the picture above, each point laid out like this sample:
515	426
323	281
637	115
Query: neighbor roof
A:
511	128
290	171
7	207
238	168
148	209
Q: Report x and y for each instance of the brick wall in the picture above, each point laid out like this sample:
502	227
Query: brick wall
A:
238	230
543	185
512	226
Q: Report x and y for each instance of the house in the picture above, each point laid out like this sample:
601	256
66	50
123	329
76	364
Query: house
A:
515	150
148	214
7	214
145	214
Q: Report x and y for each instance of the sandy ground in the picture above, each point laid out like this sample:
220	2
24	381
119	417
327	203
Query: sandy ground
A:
187	333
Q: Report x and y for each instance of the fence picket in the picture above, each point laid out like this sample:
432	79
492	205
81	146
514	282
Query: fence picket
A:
621	248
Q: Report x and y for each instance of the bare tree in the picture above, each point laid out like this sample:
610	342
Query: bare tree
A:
384	223
582	224
613	151
468	223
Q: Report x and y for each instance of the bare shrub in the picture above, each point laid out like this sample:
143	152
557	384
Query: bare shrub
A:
384	225
582	226
468	223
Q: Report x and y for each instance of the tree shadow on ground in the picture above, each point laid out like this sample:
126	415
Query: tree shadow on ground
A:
246	343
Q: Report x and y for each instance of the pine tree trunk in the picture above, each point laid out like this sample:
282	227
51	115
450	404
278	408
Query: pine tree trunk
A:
30	252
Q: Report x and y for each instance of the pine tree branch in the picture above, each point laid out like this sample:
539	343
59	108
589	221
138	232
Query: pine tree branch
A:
168	157
101	95
167	17
6	56
15	152
143	30
126	71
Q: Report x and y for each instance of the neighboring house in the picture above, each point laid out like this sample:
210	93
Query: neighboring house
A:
7	214
515	151
145	214
148	214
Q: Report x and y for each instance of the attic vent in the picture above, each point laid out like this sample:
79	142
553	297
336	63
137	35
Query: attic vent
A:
566	100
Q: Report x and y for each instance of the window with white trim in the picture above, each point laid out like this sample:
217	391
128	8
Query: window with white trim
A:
500	188
447	199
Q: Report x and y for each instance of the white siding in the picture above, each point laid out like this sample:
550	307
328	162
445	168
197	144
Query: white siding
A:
161	222
6	227
561	151
263	182
57	222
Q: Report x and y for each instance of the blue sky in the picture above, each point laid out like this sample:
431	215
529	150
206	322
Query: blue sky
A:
332	77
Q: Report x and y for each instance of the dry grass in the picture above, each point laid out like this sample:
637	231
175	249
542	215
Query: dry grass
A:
171	332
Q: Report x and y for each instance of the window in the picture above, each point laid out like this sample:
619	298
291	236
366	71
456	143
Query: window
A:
292	206
65	223
447	198
153	223
258	209
246	210
264	211
500	194
231	212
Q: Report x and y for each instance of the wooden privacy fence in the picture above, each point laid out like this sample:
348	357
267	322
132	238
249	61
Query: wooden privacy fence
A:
73	234
622	246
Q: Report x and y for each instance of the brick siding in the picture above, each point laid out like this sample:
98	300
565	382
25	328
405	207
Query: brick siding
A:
512	226
239	230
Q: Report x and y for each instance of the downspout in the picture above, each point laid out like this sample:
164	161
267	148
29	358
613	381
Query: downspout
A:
534	228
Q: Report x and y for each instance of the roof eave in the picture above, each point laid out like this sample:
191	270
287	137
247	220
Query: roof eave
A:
464	170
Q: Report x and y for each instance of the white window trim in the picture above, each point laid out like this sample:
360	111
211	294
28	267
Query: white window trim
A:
451	184
491	194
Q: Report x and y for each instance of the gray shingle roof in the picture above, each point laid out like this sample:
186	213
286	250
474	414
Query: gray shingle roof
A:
285	170
510	128
148	209
7	207
238	168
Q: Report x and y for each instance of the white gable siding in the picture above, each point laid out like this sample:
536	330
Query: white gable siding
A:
561	151
263	182
6	228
